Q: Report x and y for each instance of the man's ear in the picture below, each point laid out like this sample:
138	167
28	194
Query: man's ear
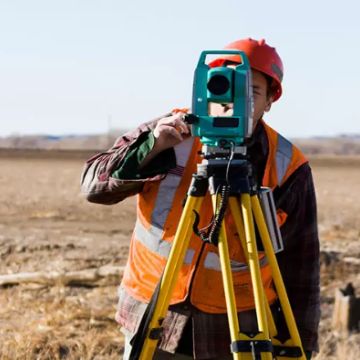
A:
269	102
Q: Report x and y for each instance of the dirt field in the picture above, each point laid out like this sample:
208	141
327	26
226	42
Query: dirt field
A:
45	225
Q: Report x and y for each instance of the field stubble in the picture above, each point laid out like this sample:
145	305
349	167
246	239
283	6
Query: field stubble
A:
46	225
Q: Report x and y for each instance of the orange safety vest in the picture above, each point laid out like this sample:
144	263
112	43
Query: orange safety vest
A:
159	207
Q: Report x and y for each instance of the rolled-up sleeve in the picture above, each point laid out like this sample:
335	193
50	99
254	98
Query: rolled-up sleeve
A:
111	176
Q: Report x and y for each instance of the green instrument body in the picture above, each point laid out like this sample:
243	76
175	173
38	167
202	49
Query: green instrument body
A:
222	85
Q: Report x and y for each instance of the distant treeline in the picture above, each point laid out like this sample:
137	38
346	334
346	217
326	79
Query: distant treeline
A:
341	145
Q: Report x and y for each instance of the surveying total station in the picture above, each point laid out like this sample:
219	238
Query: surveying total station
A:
227	175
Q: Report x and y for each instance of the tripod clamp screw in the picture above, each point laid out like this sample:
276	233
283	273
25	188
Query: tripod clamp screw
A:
156	333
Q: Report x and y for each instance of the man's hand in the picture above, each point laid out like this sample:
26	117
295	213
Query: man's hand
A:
169	131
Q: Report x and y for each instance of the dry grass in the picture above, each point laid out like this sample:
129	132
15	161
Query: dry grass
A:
337	347
45	225
58	323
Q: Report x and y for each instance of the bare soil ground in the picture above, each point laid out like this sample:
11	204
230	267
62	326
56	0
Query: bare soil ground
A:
46	225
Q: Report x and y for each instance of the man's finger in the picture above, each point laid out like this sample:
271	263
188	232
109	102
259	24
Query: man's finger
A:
181	126
174	132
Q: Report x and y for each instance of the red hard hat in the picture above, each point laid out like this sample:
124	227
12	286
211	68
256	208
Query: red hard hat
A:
262	57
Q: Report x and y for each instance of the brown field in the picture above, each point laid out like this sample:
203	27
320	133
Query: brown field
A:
45	225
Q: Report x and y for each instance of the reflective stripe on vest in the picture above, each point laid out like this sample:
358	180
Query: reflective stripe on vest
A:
164	200
284	153
152	239
212	261
169	185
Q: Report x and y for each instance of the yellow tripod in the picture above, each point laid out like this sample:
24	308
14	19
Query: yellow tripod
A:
245	208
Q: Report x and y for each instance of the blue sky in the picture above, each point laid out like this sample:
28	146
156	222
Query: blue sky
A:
80	66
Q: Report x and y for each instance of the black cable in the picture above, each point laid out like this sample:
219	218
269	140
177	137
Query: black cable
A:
232	153
220	210
211	232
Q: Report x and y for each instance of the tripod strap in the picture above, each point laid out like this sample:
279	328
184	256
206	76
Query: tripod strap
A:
137	342
255	347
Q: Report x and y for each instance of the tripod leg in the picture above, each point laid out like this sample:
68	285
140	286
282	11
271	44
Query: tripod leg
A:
243	347
239	223
171	272
278	281
235	210
254	264
228	284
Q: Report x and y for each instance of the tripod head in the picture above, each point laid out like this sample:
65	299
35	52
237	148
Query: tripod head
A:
226	86
221	152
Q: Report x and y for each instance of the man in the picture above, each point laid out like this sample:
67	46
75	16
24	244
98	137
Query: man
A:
156	162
